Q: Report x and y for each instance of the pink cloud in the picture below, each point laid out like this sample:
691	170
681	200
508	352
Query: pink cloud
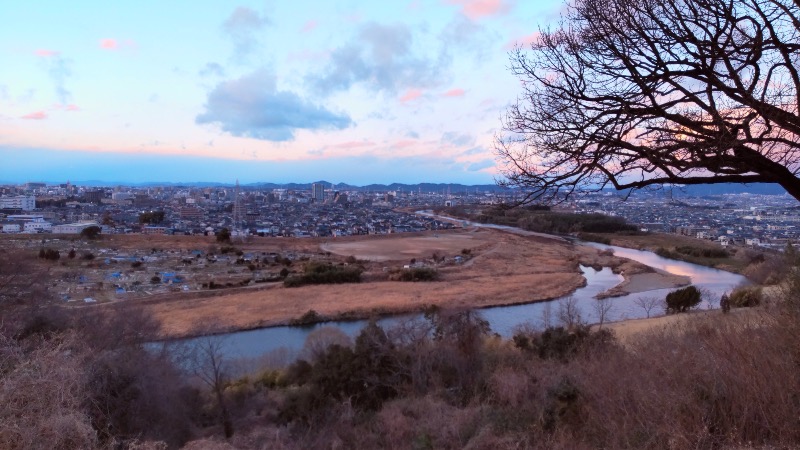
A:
457	92
72	107
311	25
524	41
44	53
38	115
404	143
114	44
411	94
477	9
353	144
109	44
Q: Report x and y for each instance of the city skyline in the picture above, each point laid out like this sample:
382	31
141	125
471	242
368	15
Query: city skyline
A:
355	92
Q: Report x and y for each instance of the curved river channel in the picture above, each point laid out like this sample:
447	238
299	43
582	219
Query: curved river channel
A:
503	319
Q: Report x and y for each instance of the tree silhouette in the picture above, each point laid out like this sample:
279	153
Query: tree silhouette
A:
638	93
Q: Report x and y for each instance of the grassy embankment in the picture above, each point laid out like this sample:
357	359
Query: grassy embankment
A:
757	264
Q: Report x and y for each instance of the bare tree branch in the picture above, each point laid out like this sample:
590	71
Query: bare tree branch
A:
638	93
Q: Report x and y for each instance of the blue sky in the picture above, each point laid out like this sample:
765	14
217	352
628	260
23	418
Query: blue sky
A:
278	91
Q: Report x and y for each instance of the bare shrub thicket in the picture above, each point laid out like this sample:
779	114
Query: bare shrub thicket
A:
41	392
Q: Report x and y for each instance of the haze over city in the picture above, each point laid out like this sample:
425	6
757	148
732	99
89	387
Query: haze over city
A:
357	92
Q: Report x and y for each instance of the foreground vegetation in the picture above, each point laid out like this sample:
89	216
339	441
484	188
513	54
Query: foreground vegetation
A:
91	381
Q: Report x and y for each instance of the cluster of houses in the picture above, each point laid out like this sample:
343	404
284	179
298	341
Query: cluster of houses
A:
732	219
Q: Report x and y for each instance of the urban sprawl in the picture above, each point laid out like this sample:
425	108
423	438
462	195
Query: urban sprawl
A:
322	210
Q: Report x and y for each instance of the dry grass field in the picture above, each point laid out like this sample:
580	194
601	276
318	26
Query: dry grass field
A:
495	268
503	269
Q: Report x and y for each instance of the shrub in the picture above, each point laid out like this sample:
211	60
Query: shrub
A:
50	254
319	273
591	237
92	232
682	300
309	318
703	252
745	297
418	274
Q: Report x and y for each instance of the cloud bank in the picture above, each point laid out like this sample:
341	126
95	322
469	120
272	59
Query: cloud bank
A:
252	107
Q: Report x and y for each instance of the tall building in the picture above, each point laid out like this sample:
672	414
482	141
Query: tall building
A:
318	192
21	202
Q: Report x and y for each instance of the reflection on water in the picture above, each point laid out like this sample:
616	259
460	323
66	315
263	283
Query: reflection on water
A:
503	319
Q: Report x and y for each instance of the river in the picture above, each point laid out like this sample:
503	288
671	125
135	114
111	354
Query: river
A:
504	319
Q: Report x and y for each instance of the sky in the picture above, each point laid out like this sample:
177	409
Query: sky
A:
281	91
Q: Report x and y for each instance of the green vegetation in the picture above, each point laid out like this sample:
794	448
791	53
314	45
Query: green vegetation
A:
745	297
324	273
309	318
591	237
542	220
683	299
703	252
91	233
416	274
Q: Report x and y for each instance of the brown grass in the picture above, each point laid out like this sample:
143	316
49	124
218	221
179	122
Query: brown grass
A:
505	269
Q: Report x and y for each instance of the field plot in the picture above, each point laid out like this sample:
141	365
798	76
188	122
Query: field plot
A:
399	248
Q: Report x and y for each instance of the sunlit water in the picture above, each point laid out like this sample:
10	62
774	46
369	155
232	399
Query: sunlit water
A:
504	319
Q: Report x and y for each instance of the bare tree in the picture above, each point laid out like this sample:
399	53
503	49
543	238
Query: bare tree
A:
211	367
547	315
602	310
648	304
638	93
568	313
318	341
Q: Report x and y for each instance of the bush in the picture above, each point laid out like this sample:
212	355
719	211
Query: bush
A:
683	300
703	252
417	274
224	235
309	318
92	232
50	254
745	297
319	273
590	237
561	344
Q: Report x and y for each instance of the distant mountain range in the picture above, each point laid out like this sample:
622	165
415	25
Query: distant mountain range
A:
721	189
454	188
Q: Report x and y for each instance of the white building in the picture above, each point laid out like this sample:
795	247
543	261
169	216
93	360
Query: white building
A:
23	202
10	228
26	223
38	226
73	228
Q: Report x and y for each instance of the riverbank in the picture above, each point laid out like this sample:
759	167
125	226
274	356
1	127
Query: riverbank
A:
494	268
631	330
501	267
